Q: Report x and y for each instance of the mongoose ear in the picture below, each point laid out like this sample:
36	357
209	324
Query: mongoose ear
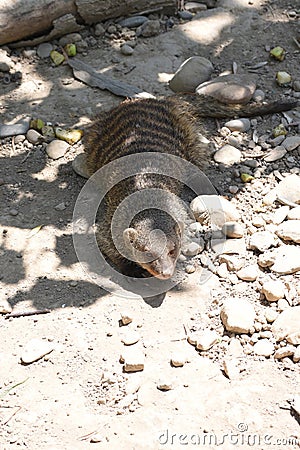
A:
179	227
129	235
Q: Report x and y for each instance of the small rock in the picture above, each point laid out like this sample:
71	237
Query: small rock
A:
126	50
233	230
275	154
70	39
99	29
229	89
231	368
233	189
20	127
237	315
178	359
96	438
283	352
13	212
287	323
5	307
5	61
126	318
291	143
282	304
294	338
289	231
133	22
190	74
273	290
19	139
218	209
34	137
79	165
280	215
294	213
283	260
185	15
228	246
296	357
233	263
262	240
263	347
289	188
134	359
36	349
192	249
222	271
60	207
44	50
271	315
57	148
207	339
248	273
241	125
228	155
29	53
164	386
129	337
258	96
149	28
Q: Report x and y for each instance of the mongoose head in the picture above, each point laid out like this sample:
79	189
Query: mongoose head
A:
153	253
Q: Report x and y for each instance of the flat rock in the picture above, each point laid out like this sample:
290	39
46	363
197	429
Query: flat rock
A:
294	213
20	127
289	188
228	155
237	315
248	273
229	89
279	215
294	338
190	74
192	249
34	137
287	323
233	230
289	231
271	315
44	50
57	148
149	28
285	259
291	143
36	349
273	290
283	352
133	22
79	165
229	246
207	339
275	154
133	358
126	50
129	337
5	61
214	208
263	347
262	240
241	125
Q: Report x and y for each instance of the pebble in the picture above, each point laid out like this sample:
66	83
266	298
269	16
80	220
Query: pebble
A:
228	155
231	368
237	315
60	207
126	318
79	165
241	125
57	148
20	138
127	50
283	352
230	89
20	127
99	29
233	263
289	188
207	339
263	347
287	323
29	53
258	96
217	208
261	240
222	271
282	304
164	386
275	154
190	268
133	22
271	315
296	357
190	74
248	273
178	359
149	28
33	136
96	438
129	337
192	249
289	231
228	246
294	213
13	212
294	338
291	143
36	349
233	230
44	50
280	215
5	307
283	260
134	359
185	15
5	61
273	290
70	39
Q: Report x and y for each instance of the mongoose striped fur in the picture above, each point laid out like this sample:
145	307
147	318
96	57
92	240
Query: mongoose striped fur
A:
171	125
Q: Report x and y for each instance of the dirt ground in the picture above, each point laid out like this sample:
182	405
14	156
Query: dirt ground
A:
78	393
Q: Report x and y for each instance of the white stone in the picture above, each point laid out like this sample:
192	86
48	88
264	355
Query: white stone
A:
262	240
228	155
229	246
218	209
231	368
273	290
291	142
280	215
287	323
129	337
294	338
294	213
207	339
289	231
238	315
242	125
233	230
36	349
286	259
57	148
190	74
289	189
296	357
271	315
248	273
263	347
233	262
283	352
192	249
133	358
282	304
275	154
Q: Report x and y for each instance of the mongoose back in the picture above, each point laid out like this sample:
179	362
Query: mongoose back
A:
170	125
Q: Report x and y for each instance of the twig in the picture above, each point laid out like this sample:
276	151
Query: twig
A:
26	156
12	387
13	414
296	42
27	313
86	436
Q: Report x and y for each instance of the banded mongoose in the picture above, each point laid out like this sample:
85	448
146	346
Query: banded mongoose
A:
169	125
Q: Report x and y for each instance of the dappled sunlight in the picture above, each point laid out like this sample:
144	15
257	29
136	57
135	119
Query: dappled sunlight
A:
207	30
164	77
46	175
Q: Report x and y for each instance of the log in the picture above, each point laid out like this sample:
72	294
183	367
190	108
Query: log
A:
40	20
